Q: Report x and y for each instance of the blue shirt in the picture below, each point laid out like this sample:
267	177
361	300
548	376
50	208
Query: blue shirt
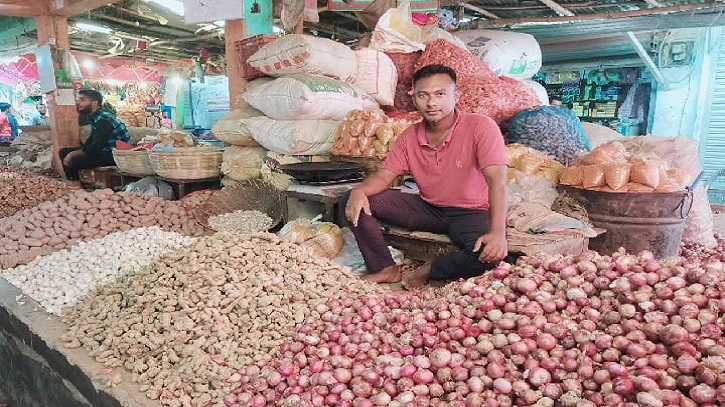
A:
106	129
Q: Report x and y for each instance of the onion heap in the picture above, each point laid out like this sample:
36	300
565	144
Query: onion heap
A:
592	330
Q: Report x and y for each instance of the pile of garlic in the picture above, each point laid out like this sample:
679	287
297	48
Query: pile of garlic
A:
60	279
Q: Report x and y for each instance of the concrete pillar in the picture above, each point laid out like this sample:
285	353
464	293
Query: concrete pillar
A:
234	30
63	119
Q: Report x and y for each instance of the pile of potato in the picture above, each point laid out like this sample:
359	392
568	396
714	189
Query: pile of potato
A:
55	225
187	324
20	191
60	279
367	133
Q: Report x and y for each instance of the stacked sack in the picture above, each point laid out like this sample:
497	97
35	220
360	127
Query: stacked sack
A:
244	157
311	91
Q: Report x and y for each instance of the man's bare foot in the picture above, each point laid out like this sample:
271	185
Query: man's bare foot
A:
418	278
390	274
74	184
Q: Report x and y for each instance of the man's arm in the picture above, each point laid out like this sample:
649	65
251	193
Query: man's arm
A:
495	245
99	138
375	184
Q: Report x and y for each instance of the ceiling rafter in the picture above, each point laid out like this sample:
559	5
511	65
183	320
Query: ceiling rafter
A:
558	8
509	22
479	10
654	3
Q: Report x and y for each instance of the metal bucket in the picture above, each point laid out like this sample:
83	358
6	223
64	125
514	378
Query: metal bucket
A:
636	221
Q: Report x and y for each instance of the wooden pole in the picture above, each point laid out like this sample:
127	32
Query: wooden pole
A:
63	118
234	30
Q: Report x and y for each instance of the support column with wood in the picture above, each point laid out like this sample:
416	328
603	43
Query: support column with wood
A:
234	30
63	118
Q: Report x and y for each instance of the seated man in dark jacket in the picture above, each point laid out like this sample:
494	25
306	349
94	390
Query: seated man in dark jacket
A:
106	129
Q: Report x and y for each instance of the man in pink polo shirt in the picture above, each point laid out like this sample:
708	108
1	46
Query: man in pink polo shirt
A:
459	162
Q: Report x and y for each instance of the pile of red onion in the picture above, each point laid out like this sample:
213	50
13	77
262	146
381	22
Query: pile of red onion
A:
618	330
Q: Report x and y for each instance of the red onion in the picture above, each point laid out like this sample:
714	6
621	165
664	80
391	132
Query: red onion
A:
502	386
702	393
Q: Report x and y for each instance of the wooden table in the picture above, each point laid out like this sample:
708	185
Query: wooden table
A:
326	196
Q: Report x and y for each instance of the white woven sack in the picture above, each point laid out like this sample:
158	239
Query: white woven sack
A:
516	55
539	89
243	163
231	131
376	75
307	97
294	137
304	54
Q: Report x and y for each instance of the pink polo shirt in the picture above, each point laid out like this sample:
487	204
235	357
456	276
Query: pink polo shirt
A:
451	174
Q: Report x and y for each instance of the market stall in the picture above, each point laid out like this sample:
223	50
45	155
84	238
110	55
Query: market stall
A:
142	290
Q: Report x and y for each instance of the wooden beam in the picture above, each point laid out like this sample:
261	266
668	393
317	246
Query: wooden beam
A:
557	8
12	10
659	76
235	30
72	8
508	22
479	10
654	3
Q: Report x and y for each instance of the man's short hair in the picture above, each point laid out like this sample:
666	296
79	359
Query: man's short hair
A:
92	95
430	70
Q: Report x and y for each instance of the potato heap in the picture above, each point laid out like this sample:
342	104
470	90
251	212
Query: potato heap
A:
52	226
185	326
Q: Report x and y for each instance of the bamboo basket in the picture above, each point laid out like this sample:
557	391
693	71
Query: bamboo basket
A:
187	163
133	162
246	196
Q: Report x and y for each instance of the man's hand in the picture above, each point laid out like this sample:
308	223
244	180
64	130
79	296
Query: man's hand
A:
495	247
69	157
358	202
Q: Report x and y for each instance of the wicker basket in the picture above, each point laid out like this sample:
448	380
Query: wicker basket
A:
187	163
246	196
133	162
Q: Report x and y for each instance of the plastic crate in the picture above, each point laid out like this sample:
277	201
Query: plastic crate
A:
246	48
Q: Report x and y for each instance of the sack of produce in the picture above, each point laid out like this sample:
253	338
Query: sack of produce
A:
497	97
598	134
304	54
307	97
532	162
376	75
243	163
539	89
514	54
323	238
551	129
396	31
367	133
295	137
405	65
463	62
231	131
